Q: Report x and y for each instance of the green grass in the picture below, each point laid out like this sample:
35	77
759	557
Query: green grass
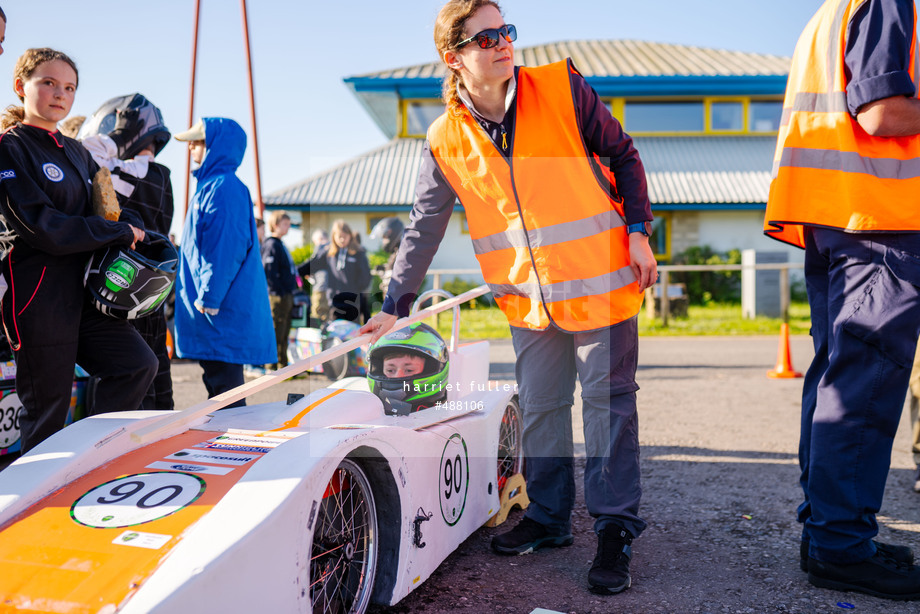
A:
478	323
713	319
725	319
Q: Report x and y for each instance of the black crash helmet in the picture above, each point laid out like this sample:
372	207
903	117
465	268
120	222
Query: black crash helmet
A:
132	121
389	230
130	284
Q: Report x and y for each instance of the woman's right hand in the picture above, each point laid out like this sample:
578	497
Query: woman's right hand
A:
138	235
378	326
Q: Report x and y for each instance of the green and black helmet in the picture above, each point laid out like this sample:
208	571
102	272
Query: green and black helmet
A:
132	283
403	395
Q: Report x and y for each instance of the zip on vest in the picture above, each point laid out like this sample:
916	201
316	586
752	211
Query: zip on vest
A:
536	293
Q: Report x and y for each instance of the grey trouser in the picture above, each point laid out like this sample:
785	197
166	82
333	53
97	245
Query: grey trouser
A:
605	362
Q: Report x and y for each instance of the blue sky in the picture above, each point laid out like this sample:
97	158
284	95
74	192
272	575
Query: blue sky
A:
308	120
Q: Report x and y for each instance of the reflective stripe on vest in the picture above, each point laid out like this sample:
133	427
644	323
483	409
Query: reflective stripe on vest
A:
827	170
551	242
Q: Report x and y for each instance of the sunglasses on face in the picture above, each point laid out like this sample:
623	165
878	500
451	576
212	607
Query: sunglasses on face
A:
489	38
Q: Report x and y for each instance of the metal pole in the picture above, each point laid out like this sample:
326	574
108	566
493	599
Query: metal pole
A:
436	299
191	108
784	293
665	299
252	108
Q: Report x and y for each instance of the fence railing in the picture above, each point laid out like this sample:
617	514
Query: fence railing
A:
665	270
664	276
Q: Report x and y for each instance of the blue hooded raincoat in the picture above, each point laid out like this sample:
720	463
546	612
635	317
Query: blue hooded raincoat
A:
220	263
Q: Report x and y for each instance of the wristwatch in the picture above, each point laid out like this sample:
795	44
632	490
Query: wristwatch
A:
643	227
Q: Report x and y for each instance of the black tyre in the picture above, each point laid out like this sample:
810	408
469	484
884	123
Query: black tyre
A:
343	561
336	368
510	450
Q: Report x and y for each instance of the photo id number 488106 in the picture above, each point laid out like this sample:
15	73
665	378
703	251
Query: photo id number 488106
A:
460	405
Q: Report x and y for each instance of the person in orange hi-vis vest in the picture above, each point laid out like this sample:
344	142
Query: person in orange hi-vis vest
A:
555	197
846	171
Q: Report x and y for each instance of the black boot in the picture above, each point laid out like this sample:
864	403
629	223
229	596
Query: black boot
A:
879	576
527	536
901	554
609	574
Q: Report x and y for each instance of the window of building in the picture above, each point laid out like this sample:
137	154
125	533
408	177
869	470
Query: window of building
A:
664	116
697	117
726	116
764	115
419	114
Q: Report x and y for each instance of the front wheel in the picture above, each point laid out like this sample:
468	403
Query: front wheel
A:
343	561
510	450
335	368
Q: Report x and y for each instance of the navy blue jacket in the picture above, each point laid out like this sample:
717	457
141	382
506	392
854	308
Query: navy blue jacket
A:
279	268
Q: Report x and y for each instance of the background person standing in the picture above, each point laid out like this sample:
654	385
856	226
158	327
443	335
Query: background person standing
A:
136	134
222	316
282	281
347	271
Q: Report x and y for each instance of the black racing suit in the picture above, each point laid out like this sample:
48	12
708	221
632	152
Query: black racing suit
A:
46	201
151	197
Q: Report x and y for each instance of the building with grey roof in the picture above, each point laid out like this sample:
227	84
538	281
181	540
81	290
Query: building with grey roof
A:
704	122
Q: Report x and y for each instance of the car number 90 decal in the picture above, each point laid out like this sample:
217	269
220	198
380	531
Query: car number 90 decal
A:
454	479
135	499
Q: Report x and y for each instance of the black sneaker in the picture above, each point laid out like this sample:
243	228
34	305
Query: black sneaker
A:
609	573
917	480
879	576
527	536
901	554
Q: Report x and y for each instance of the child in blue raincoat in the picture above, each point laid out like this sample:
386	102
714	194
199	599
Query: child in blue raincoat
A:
223	318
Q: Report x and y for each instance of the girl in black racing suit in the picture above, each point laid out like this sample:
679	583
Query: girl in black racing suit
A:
46	202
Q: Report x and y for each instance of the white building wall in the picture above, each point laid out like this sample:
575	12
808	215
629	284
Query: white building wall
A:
727	230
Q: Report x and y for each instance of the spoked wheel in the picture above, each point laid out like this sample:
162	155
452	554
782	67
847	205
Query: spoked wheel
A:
510	451
343	562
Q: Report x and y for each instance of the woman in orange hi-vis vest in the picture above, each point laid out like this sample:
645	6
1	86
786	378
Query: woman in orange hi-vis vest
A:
555	196
845	187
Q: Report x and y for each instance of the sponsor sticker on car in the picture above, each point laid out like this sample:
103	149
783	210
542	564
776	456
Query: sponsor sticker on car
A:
190	455
190	468
232	448
137	539
250	440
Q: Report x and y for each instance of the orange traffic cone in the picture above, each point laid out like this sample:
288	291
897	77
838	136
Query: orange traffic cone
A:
783	367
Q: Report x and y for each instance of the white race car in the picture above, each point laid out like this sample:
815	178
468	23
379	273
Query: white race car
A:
319	504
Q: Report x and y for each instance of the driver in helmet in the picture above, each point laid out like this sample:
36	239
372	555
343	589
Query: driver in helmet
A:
124	135
408	368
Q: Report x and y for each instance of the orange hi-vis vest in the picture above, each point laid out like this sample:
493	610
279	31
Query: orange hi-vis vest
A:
827	170
550	240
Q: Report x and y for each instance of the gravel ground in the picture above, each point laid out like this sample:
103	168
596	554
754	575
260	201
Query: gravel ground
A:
720	488
720	482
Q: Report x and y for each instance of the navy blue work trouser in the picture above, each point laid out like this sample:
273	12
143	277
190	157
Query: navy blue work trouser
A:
219	377
605	363
153	330
865	311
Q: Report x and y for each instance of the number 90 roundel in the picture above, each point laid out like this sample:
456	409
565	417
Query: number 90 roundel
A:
135	499
454	480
